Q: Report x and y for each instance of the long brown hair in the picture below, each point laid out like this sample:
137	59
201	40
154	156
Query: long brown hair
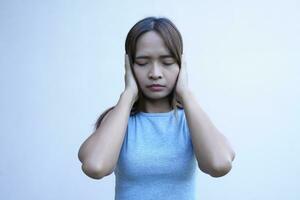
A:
173	41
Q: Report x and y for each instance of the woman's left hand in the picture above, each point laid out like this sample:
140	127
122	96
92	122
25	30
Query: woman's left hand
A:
182	80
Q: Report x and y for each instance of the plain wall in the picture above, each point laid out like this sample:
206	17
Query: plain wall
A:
62	65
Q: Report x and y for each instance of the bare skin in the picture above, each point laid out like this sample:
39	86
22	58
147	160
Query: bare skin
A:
154	65
99	153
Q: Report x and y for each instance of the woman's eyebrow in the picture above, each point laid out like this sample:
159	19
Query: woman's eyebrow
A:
147	57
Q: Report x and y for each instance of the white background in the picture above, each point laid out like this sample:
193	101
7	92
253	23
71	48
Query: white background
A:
62	65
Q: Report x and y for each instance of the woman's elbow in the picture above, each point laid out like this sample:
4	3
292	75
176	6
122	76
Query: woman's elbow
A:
220	170
93	171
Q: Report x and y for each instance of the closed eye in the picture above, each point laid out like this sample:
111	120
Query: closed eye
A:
169	63
141	64
164	63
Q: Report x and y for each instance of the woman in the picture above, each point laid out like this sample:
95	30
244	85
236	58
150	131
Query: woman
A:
152	155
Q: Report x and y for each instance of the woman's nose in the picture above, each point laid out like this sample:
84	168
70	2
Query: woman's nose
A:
155	71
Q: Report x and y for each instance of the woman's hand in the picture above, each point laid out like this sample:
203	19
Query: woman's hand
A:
182	80
130	83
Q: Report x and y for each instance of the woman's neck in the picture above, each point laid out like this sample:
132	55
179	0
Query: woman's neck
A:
154	106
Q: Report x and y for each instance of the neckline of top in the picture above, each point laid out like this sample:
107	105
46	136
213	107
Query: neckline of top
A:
157	114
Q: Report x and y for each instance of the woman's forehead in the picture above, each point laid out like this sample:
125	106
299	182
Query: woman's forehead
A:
152	51
151	43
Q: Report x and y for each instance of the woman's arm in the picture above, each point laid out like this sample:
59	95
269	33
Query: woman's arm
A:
213	151
100	152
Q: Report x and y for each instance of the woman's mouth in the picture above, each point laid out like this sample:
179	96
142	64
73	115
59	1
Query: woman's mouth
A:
156	88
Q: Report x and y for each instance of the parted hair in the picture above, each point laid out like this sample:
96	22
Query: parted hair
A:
173	41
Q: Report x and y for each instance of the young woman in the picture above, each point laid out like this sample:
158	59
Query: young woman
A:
157	134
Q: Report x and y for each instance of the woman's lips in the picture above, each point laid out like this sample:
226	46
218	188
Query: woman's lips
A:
156	88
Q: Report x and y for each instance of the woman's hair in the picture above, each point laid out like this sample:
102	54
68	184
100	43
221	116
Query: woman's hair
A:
173	41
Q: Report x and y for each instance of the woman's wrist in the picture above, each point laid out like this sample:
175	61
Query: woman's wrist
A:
129	97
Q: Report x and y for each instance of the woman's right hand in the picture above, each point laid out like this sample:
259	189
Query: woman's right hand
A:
130	83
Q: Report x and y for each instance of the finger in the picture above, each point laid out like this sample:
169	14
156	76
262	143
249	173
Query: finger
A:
183	61
126	61
128	64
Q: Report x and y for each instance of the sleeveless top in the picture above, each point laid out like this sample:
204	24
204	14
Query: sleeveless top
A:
156	160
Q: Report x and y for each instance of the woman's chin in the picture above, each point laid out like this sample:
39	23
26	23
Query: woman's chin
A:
155	95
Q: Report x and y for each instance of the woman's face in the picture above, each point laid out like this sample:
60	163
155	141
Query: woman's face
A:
154	64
